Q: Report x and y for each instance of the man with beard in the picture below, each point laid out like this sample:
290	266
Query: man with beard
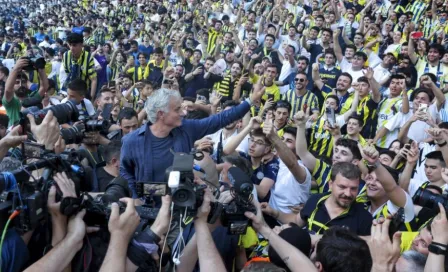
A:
300	98
302	66
335	208
233	85
343	84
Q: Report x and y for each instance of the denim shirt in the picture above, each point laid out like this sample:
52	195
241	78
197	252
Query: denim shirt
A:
136	161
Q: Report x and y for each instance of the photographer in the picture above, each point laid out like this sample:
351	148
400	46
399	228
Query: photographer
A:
12	102
104	175
127	119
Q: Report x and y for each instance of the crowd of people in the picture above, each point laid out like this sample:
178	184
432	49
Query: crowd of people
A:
336	111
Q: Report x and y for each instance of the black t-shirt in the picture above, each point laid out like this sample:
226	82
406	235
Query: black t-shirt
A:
103	178
357	219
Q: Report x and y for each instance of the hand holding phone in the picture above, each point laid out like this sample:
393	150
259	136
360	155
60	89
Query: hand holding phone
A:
331	118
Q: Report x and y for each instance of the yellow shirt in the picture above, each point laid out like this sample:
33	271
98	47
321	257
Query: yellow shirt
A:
406	240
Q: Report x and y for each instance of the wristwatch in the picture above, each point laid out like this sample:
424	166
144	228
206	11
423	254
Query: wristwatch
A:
437	249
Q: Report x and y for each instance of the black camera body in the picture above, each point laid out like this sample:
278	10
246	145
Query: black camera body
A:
76	133
34	64
64	113
187	196
425	198
31	201
233	213
98	209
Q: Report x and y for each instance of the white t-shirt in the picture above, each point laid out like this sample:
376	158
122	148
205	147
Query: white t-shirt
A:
416	130
409	213
285	41
285	72
347	67
414	184
243	146
287	191
424	149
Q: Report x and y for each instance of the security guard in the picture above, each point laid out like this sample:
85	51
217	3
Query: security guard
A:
78	64
127	119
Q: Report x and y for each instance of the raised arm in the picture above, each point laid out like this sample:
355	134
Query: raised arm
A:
200	128
316	76
427	82
412	155
235	141
337	47
354	106
374	85
62	254
411	50
396	194
305	44
285	154
121	228
207	253
44	84
307	158
290	255
11	81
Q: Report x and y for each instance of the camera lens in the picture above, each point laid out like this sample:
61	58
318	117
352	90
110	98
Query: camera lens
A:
73	135
65	113
117	188
184	197
97	125
428	199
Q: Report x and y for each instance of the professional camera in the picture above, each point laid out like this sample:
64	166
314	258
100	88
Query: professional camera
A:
428	199
233	213
18	193
34	63
64	113
75	134
187	196
99	208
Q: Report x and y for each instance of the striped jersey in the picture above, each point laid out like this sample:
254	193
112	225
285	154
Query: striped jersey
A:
301	103
387	108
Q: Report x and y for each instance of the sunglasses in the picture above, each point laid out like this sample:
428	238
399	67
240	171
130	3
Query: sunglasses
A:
299	79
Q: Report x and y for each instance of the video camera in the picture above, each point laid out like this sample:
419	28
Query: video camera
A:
187	196
17	192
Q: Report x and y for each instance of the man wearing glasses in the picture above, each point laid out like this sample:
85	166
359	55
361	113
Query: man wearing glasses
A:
300	98
264	172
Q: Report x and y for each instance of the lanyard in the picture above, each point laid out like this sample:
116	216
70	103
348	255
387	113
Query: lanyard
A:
265	51
311	220
438	74
385	212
